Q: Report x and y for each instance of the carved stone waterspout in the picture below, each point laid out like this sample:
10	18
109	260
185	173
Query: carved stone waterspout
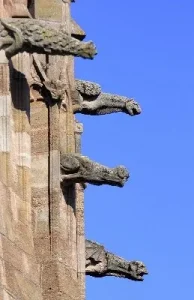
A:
80	169
91	101
100	263
43	37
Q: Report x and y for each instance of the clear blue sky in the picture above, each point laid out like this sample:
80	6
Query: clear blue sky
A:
145	51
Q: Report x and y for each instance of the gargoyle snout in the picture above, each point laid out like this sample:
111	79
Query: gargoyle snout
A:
122	173
133	107
139	270
90	50
136	109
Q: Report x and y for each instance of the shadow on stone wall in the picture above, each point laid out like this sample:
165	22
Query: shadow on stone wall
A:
20	91
69	194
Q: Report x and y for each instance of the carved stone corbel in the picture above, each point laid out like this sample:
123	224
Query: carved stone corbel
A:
41	86
91	101
76	168
101	263
42	37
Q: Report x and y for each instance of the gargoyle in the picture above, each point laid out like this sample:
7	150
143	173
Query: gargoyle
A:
42	37
91	101
100	263
76	168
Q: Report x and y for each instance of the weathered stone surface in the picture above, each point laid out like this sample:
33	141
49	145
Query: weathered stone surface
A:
87	88
15	8
100	263
4	74
22	261
93	102
58	269
79	190
56	282
19	270
88	98
42	88
55	211
43	37
56	89
79	169
107	104
17	285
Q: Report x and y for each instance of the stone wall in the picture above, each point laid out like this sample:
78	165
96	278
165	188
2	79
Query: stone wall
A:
57	220
41	226
19	271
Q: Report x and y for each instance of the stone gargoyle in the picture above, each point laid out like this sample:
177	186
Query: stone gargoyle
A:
42	37
76	168
91	101
100	263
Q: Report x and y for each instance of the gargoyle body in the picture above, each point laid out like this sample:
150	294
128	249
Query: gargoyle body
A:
93	102
80	169
42	37
100	263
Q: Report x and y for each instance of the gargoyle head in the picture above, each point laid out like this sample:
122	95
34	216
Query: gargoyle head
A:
111	176
137	270
122	174
133	108
119	267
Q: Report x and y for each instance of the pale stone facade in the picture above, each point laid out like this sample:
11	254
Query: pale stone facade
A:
42	240
39	234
